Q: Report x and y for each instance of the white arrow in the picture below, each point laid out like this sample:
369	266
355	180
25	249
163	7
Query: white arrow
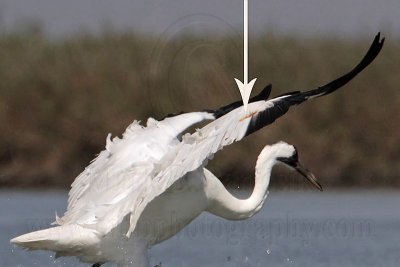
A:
245	87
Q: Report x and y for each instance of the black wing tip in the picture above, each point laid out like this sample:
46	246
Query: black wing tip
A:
264	94
379	39
371	54
375	48
296	97
368	58
268	116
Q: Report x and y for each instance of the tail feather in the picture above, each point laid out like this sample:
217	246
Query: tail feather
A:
57	239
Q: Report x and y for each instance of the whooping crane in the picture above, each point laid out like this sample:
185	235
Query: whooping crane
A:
122	203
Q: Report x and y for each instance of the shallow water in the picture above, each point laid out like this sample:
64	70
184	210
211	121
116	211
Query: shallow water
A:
360	228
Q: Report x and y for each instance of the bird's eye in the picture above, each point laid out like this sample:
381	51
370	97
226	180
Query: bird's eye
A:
295	155
291	161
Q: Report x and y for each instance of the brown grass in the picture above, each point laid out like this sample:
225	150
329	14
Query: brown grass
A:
59	99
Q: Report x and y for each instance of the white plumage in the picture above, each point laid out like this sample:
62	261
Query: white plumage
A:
145	187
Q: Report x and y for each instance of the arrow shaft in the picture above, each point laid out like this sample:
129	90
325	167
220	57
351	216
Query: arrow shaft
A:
246	42
245	87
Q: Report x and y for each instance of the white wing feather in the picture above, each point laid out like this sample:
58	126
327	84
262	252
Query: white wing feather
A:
187	156
123	169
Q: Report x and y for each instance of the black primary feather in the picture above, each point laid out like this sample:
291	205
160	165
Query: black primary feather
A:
282	105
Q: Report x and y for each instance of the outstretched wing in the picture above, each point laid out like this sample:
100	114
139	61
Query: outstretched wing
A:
124	167
194	149
232	125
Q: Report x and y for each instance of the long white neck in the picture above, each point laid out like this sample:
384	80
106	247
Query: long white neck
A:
224	204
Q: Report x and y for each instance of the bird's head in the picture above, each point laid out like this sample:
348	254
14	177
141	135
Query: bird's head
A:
287	155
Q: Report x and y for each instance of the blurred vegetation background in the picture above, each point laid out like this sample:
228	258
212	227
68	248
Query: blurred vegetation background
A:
60	98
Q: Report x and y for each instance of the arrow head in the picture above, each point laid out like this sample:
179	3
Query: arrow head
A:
245	91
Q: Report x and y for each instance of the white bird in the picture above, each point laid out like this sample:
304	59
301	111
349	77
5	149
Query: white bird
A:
144	188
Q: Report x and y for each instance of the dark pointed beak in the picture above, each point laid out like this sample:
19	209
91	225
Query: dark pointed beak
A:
307	174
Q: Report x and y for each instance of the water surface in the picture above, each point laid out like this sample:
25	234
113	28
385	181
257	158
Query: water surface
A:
360	228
